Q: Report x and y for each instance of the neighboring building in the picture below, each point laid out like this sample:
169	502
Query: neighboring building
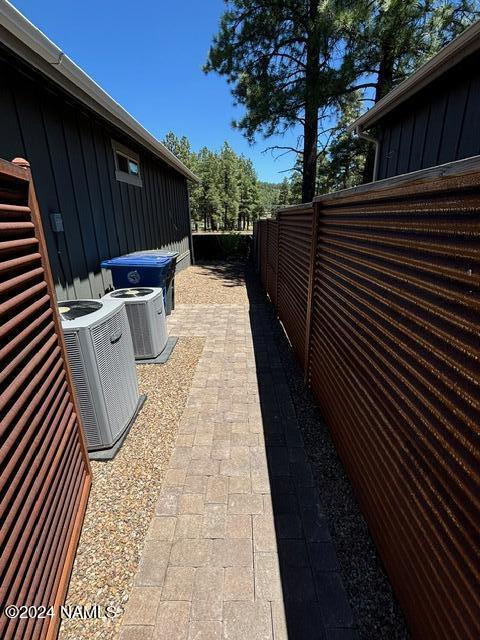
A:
433	117
104	184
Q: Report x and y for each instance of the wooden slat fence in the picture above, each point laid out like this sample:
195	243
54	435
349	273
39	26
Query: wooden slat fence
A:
387	307
44	467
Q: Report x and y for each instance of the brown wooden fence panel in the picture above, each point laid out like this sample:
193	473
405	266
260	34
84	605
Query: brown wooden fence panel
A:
294	251
272	259
45	473
395	366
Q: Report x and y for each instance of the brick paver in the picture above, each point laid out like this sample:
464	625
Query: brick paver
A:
239	547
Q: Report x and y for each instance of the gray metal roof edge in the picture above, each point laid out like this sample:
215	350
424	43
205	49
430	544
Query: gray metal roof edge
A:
62	69
458	49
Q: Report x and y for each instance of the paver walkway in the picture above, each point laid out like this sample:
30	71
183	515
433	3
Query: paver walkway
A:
239	548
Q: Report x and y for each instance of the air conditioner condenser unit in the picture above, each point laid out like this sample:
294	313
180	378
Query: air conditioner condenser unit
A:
100	353
146	315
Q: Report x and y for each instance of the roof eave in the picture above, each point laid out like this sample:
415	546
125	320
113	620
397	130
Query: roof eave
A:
461	47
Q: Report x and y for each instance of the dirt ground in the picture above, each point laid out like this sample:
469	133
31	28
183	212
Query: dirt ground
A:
213	283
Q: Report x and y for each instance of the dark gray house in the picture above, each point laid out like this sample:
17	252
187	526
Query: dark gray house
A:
433	117
104	184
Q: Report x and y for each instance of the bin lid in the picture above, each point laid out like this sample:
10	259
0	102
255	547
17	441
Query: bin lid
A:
156	252
140	259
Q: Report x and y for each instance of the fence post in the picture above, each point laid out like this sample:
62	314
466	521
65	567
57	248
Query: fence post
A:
311	282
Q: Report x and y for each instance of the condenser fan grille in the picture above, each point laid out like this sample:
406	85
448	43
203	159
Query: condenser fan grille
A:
73	309
132	293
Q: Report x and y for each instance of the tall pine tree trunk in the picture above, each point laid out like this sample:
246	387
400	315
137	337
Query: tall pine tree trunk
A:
310	127
384	84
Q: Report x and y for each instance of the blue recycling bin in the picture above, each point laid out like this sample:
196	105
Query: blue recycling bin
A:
145	268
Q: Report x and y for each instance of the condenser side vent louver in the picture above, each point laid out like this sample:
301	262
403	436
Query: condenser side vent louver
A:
82	388
141	334
114	353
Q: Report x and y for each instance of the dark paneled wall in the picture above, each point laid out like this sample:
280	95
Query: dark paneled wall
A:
440	124
70	152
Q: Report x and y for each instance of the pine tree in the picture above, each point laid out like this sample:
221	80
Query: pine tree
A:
276	55
249	196
284	196
297	63
180	147
268	198
209	194
229	182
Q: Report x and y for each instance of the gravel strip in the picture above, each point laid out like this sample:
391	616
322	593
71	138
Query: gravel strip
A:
376	611
124	494
212	283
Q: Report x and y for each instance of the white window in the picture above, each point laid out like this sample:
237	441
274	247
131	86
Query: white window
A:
127	164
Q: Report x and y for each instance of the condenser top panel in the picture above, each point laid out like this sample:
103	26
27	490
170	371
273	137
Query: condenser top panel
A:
83	314
73	309
138	292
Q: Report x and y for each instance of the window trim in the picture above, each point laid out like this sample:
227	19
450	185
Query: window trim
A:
124	176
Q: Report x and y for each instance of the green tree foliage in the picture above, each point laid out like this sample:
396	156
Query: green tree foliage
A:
206	203
269	198
309	63
229	195
385	41
285	195
229	186
181	148
249	195
277	55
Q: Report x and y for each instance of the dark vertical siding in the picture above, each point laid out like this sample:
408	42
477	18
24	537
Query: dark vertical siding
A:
453	123
420	125
438	125
33	132
70	152
393	152
403	158
469	145
87	219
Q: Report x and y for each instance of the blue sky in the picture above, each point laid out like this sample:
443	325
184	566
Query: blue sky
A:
148	55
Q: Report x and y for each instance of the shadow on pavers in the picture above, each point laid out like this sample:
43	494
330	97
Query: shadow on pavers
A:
328	562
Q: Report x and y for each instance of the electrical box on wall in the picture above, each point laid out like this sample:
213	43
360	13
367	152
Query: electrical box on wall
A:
56	221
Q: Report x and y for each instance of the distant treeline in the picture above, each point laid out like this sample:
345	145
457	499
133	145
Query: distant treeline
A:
229	196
